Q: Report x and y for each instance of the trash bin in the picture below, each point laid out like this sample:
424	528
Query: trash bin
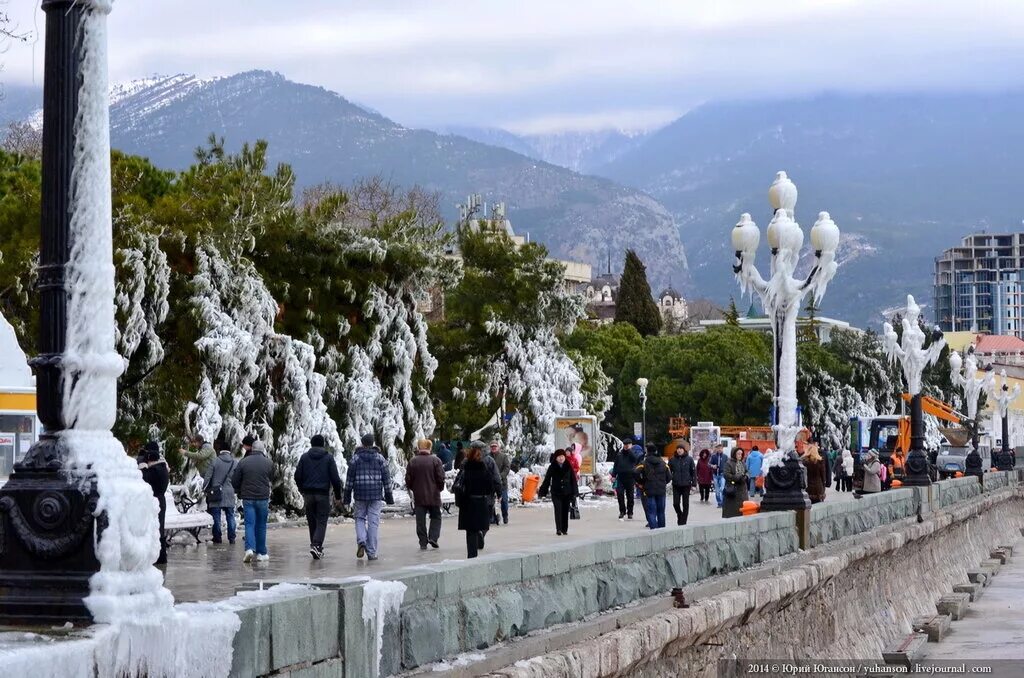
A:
749	508
530	485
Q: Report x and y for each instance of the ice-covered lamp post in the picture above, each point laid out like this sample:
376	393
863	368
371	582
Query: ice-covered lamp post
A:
78	526
1003	396
914	358
782	296
642	385
964	374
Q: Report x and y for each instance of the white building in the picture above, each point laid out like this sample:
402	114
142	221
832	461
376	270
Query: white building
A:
19	427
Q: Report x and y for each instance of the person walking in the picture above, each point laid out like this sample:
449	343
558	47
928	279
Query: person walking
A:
717	463
220	493
624	472
705	478
316	475
202	456
445	454
369	486
424	477
654	478
474	489
736	479
684	476
501	461
847	461
754	462
872	474
252	482
460	456
815	466
973	465
560	482
157	475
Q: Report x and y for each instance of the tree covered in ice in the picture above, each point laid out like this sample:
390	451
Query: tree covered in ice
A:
241	310
499	350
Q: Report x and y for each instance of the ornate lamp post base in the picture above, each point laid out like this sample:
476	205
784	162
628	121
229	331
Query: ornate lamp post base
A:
47	538
917	470
1003	460
783	487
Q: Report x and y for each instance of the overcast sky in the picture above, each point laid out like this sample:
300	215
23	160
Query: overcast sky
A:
551	65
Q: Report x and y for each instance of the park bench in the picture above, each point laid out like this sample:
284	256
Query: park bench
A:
447	501
191	522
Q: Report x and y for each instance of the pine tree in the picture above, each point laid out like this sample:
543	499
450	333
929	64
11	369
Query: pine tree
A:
635	304
732	314
809	331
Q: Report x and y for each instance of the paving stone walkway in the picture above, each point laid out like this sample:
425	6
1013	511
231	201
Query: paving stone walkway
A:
213	571
993	628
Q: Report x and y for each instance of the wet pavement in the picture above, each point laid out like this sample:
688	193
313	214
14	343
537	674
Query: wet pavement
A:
214	571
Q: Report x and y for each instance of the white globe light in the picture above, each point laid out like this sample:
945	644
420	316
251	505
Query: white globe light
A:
745	235
641	382
955	362
782	194
824	234
788	232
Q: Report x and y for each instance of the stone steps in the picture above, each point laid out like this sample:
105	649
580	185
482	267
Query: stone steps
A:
906	650
954	605
935	626
973	590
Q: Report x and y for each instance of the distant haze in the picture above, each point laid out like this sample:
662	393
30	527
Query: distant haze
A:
538	66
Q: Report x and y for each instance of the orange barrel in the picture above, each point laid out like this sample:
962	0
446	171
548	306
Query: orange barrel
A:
897	483
958	474
749	508
530	485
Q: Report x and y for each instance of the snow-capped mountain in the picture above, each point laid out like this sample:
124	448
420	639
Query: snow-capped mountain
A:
327	138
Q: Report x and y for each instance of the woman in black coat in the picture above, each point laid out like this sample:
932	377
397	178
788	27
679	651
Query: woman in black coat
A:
560	482
473	487
157	475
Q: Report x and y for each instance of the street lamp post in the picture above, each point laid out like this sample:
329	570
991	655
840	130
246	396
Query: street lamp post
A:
642	384
782	296
963	373
47	530
914	358
1004	460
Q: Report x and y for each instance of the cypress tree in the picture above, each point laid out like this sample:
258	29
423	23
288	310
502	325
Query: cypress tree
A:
635	304
732	314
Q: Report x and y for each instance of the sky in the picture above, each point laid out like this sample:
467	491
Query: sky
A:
540	66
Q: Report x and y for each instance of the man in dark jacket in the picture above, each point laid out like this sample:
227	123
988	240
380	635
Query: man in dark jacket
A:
369	485
315	475
492	468
502	462
220	494
424	478
624	472
684	474
654	479
252	483
156	474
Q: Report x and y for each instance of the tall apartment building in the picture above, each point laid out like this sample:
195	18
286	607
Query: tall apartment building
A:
978	285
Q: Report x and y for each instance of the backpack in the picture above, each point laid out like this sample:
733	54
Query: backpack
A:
882	472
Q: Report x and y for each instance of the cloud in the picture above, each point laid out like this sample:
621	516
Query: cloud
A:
531	64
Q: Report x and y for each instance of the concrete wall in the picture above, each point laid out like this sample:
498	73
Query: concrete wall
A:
463	606
848	601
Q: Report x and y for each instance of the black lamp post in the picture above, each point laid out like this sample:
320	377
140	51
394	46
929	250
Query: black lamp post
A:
47	526
1004	460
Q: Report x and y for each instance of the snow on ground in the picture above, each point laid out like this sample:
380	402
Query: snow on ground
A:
464	659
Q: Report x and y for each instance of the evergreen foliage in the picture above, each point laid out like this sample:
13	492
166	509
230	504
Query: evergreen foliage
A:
635	304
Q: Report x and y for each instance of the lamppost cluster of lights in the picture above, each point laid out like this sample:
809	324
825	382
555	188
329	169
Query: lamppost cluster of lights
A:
964	374
1004	460
782	295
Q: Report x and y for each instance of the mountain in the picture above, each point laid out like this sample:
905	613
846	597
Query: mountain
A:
578	151
324	137
904	176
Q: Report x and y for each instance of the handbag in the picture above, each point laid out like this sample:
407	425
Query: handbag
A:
729	491
574	511
214	495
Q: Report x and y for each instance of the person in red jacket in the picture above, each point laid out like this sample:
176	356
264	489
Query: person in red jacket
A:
705	475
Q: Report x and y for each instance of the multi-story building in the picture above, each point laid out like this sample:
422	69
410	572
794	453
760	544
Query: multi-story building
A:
979	285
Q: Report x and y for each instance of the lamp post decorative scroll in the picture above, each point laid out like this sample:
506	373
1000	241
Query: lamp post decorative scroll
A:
910	352
1004	460
782	296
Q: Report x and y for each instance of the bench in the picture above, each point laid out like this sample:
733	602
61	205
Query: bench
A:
447	501
191	522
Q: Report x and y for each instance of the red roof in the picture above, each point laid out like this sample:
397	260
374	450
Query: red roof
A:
998	343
